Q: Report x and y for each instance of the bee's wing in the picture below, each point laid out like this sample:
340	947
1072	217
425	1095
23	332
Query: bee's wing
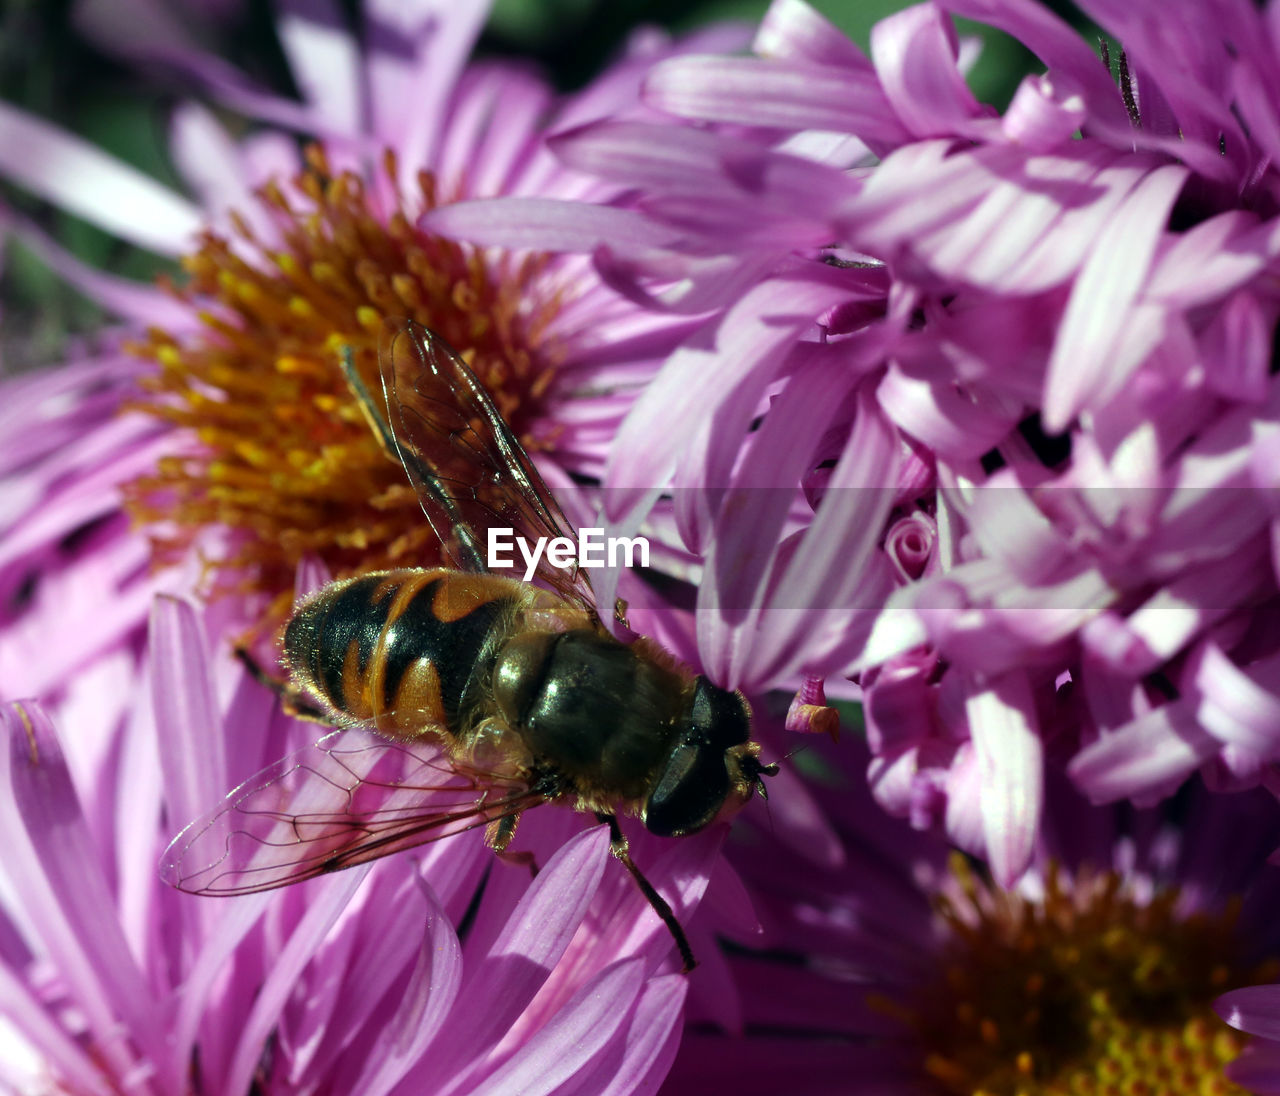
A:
470	471
350	798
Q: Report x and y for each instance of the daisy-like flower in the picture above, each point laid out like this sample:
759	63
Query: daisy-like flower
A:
889	965
269	459
242	448
984	412
112	981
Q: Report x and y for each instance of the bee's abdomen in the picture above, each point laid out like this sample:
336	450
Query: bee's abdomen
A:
403	650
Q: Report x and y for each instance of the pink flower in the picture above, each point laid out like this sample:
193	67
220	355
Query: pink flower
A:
564	354
112	981
331	986
884	958
1041	338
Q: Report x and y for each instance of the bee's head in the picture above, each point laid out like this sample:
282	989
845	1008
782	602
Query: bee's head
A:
712	767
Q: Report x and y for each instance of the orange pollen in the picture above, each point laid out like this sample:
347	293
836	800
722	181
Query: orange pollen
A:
280	453
1082	991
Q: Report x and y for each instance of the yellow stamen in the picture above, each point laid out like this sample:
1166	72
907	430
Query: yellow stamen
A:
285	460
1086	991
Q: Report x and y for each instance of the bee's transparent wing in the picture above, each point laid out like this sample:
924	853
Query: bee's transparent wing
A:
470	471
350	798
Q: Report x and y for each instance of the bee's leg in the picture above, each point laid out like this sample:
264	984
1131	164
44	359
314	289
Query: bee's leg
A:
292	699
618	846
498	837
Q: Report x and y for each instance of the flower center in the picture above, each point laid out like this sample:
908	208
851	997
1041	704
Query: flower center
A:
282	455
1084	991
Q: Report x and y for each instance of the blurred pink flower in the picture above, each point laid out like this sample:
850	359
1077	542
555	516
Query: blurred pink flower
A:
112	981
983	413
884	963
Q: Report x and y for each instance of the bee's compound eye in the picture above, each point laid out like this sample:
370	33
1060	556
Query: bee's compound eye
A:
689	794
696	781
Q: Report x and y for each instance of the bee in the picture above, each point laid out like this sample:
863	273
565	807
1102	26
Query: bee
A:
465	697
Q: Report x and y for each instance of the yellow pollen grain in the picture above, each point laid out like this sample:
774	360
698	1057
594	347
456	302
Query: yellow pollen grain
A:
287	458
1086	991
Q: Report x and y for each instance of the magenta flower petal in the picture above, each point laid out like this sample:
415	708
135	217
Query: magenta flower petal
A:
1006	737
1148	757
325	904
1058	45
323	59
123	298
516	964
51	860
546	224
192	752
1090	334
1255	1009
649	441
1043	115
1257	1069
915	55
414	62
781	95
652	1040
569	1043
791	28
425	1006
74	174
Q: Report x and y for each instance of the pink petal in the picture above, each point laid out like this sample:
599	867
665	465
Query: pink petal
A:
416	50
516	965
1210	259
324	60
118	25
651	1042
1237	349
1255	1009
1058	45
325	904
1006	738
780	94
50	1039
1257	1069
1148	757
1239	704
567	1044
830	573
793	30
425	1006
753	513
1099	306
672	423
191	740
546	224
915	55
52	861
946	418
130	300
83	179
1043	114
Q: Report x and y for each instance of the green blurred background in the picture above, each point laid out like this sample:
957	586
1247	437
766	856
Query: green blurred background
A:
50	69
